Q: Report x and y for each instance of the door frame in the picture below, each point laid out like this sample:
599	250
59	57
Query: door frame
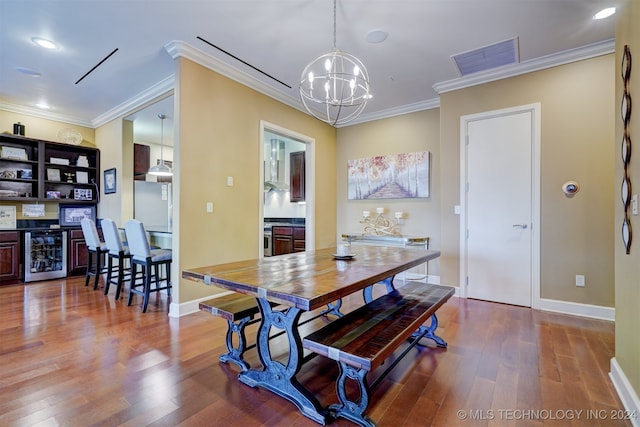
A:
309	177
535	110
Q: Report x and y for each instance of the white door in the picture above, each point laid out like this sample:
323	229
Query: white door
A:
499	206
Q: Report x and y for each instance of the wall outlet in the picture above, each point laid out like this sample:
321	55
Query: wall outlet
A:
579	280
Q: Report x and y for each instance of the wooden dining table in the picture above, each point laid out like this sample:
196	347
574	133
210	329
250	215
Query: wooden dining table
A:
302	282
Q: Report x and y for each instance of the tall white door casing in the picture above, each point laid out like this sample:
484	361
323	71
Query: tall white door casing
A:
499	207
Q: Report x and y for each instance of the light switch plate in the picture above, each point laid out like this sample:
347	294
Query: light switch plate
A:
209	207
634	204
229	181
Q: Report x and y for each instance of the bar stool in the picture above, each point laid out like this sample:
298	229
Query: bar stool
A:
149	260
116	251
95	248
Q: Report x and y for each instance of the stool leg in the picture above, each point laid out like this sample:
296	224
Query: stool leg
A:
133	281
147	287
86	280
168	272
109	268
98	269
121	261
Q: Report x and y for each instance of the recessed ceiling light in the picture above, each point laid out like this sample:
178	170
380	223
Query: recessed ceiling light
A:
47	44
376	36
28	71
605	13
42	105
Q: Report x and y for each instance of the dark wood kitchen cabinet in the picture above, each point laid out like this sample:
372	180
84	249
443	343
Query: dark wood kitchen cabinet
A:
296	176
9	257
299	242
282	240
141	161
78	260
78	256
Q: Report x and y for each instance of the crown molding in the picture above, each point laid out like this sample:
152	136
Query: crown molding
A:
553	60
43	114
396	111
178	48
161	88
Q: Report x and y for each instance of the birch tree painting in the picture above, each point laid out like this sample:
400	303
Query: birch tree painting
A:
396	176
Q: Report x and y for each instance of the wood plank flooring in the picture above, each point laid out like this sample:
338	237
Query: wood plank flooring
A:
71	356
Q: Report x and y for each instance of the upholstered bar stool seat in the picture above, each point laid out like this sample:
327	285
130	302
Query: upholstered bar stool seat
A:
150	261
117	252
96	249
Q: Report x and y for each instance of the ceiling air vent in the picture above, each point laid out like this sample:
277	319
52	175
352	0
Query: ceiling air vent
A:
488	57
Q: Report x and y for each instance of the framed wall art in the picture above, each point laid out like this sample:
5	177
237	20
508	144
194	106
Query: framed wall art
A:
110	181
395	176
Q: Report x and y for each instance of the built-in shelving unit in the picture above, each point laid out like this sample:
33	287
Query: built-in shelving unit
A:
37	170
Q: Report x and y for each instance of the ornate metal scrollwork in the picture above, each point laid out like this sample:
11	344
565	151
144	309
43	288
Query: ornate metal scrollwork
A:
625	113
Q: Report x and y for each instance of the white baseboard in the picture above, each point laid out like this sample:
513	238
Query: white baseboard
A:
190	307
626	393
578	309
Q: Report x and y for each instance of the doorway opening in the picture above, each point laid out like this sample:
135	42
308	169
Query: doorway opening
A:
287	189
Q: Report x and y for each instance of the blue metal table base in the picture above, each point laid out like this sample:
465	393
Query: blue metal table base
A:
275	376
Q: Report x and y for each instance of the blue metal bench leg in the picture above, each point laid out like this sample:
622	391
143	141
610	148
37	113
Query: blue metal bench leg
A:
235	354
430	332
333	308
349	409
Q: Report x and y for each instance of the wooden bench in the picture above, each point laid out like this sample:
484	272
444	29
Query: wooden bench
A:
240	311
363	339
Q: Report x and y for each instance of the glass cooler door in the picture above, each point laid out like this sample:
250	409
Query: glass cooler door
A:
45	254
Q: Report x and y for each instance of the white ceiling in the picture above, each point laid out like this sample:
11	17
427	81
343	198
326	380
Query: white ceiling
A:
278	37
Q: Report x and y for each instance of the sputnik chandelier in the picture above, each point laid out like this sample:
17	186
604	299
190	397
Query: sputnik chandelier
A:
335	86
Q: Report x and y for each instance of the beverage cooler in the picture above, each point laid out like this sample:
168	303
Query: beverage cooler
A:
45	255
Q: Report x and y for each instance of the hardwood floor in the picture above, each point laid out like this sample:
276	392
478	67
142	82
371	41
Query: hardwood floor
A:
70	356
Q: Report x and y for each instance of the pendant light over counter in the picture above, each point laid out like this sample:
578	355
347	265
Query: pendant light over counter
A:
161	169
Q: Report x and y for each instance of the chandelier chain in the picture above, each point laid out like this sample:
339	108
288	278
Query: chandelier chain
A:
334	25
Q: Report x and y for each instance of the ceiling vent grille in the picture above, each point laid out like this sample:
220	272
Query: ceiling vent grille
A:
488	57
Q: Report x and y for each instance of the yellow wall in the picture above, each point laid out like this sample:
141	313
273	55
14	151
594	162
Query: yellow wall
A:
219	136
577	143
401	134
627	267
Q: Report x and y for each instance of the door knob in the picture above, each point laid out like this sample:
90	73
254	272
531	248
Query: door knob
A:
520	225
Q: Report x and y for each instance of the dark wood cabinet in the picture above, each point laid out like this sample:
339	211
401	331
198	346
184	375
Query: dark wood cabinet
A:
141	161
288	239
282	240
296	176
78	259
9	257
36	170
299	239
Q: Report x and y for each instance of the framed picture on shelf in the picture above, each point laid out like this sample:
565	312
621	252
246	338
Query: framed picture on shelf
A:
110	181
53	194
82	194
53	174
7	217
71	215
82	177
